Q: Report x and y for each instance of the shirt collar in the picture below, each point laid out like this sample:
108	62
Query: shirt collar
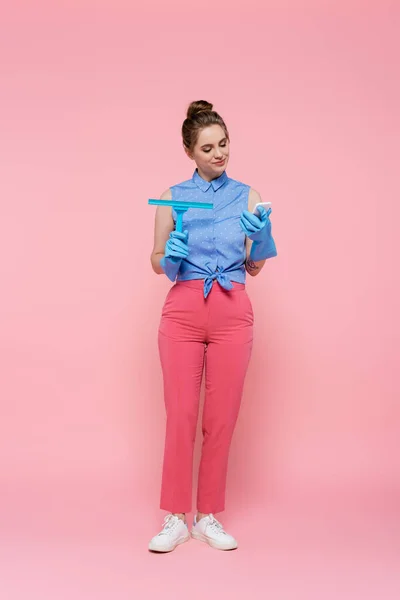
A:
204	185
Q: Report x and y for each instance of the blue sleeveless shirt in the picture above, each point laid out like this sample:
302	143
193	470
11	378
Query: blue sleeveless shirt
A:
217	250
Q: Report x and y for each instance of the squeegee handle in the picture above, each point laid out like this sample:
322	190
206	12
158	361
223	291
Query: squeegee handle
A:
179	218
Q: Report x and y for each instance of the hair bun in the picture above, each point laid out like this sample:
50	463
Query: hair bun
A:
198	106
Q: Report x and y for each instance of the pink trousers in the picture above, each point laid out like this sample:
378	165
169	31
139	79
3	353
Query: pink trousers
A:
196	334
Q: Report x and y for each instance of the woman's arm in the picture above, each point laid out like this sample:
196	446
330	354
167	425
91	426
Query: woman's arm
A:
253	268
163	225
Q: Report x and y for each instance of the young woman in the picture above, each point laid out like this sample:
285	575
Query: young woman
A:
206	323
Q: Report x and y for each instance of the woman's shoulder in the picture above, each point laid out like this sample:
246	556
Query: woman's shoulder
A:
254	195
254	198
167	195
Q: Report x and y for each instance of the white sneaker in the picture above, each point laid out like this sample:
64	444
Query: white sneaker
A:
209	530
174	532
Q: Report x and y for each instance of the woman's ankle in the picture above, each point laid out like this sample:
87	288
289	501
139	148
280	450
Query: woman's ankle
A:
181	516
200	515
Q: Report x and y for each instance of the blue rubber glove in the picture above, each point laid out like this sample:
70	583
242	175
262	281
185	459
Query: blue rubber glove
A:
176	249
258	229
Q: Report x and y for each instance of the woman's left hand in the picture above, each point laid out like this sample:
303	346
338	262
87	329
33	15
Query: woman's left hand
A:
256	228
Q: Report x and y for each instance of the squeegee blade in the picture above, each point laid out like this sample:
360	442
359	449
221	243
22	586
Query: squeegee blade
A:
180	204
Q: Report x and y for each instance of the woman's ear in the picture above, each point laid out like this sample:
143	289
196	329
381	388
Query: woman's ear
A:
188	152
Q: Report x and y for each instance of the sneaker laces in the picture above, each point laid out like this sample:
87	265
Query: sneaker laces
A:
215	525
169	524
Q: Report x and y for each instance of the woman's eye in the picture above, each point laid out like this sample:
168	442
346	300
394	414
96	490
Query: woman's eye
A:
221	145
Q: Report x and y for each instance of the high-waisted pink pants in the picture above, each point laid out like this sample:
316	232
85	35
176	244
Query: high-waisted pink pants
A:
215	333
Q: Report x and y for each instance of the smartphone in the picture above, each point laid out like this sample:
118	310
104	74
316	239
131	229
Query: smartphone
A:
266	205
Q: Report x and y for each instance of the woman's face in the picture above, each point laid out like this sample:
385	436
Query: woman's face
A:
211	152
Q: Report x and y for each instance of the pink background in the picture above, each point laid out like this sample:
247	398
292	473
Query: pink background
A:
93	95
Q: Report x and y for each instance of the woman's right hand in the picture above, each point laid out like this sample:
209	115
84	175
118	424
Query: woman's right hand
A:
177	247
